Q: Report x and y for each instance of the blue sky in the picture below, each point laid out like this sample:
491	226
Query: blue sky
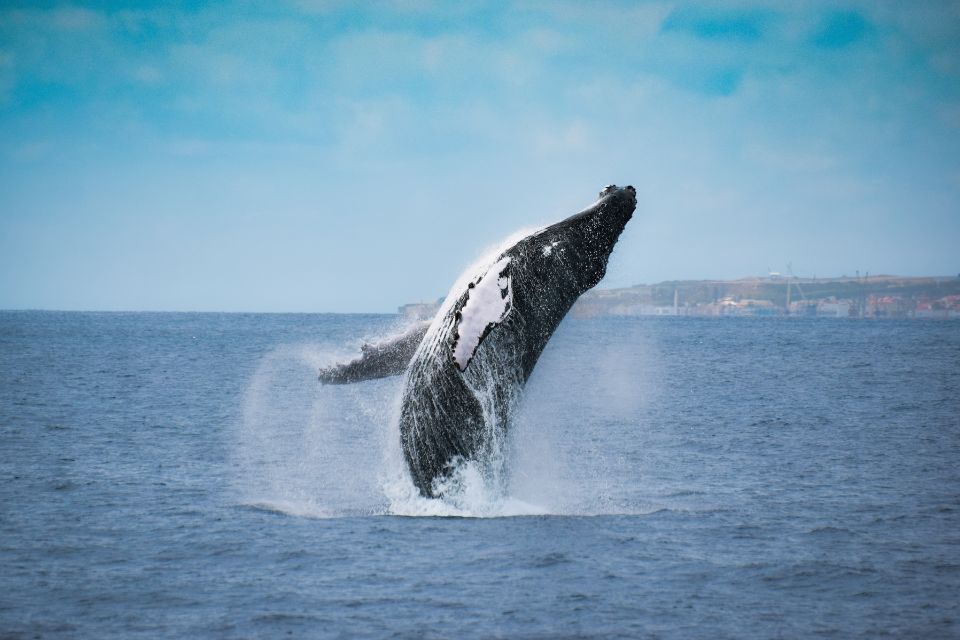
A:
323	156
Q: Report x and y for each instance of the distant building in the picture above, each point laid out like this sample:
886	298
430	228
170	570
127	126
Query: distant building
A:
752	307
834	308
888	307
936	310
803	308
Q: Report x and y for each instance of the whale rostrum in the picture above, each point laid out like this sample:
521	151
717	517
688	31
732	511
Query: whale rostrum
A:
465	371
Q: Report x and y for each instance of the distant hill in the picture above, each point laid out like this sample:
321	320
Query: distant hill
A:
902	294
881	295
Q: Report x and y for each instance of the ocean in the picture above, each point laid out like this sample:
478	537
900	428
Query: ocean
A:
184	475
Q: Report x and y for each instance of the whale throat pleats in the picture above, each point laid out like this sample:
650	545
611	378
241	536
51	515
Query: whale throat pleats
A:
489	299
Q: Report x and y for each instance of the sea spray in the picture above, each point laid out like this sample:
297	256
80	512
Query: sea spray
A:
306	449
309	450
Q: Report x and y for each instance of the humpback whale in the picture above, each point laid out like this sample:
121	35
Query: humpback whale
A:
466	369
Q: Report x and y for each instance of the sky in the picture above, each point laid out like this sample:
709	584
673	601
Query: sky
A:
327	156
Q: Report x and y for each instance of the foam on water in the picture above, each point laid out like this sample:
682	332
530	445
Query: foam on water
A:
466	493
298	509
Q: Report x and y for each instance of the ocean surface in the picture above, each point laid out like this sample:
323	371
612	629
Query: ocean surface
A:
185	476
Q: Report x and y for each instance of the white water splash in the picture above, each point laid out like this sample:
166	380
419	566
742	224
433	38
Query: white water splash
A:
307	449
466	494
310	450
316	451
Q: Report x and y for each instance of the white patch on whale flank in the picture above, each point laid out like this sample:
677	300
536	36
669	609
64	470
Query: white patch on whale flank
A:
489	302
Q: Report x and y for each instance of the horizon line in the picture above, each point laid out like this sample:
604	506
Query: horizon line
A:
772	275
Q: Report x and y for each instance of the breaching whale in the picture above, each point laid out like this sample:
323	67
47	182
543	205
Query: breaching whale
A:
466	369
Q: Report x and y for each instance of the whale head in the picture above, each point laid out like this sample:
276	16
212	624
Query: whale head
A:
586	239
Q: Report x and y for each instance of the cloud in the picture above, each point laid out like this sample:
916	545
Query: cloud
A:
950	114
841	29
791	160
721	82
718	23
32	151
577	136
7	77
188	147
612	19
75	19
148	74
426	7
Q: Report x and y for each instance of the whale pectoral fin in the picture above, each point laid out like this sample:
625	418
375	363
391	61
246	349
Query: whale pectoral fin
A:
488	301
379	360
